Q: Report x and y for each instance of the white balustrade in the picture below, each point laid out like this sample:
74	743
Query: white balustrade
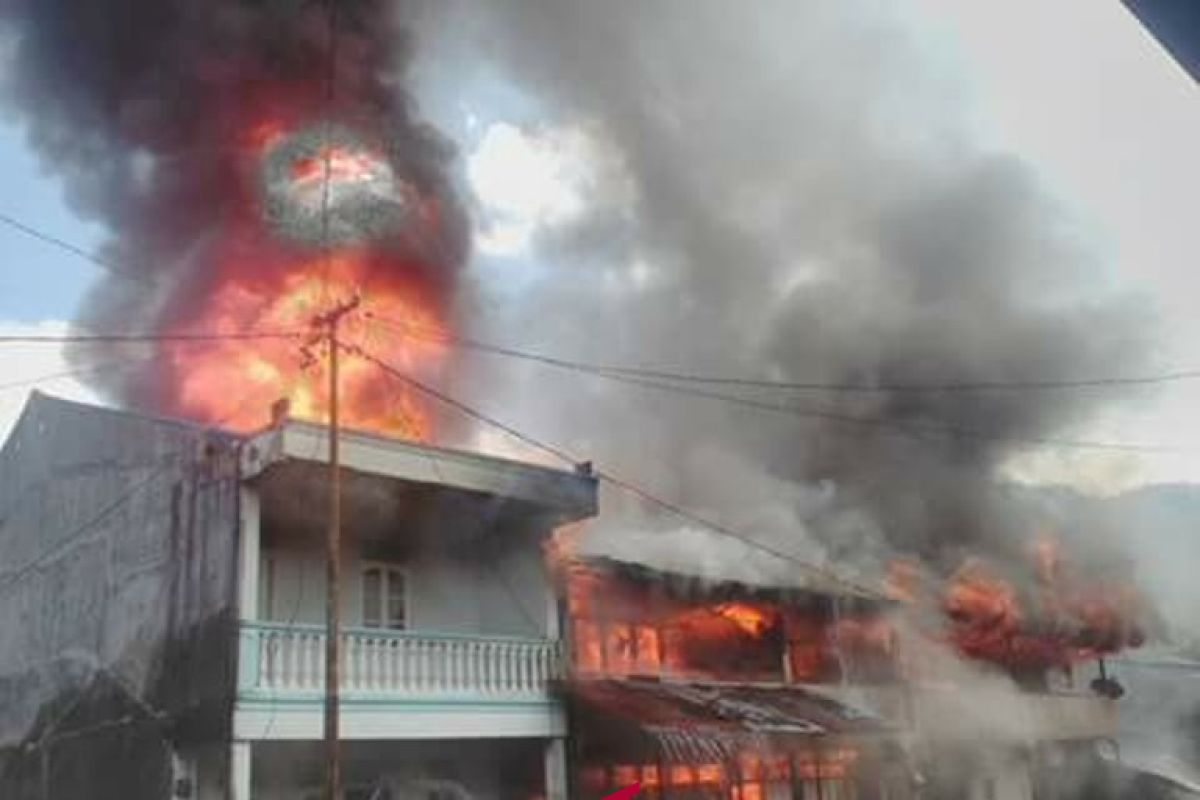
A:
291	658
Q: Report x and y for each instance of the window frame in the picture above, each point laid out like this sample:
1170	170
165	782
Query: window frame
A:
384	567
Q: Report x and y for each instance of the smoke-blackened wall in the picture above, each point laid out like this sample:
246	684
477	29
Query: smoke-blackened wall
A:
117	592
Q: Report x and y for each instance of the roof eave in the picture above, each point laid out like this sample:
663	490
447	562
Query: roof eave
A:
571	494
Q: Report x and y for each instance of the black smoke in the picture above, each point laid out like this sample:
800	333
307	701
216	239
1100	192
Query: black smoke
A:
154	112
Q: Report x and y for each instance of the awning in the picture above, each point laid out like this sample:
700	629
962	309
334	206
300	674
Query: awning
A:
713	720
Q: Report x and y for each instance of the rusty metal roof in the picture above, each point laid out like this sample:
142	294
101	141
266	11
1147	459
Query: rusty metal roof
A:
704	718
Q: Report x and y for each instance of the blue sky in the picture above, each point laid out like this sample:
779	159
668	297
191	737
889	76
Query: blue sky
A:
38	281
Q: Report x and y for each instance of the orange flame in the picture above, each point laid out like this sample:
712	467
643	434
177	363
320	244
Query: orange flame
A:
235	382
1067	618
750	619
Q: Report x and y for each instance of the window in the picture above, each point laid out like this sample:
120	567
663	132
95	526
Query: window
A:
383	600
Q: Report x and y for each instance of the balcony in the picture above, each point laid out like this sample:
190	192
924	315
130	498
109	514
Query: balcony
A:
280	659
423	682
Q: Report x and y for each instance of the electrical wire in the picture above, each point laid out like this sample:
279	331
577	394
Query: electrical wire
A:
648	372
608	477
915	428
817	386
70	373
149	337
518	603
910	428
112	267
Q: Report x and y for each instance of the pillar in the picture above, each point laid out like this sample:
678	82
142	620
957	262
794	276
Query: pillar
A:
249	554
556	769
239	770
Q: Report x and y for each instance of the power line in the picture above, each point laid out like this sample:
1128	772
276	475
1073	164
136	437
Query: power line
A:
148	337
68	373
604	475
653	373
562	455
914	428
518	603
680	376
112	267
634	377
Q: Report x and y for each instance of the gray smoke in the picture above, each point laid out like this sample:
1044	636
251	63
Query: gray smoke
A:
794	194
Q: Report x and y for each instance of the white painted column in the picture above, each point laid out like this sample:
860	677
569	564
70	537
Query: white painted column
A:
553	623
249	554
556	769
239	770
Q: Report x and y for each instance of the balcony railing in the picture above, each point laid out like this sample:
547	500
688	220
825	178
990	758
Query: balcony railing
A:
282	658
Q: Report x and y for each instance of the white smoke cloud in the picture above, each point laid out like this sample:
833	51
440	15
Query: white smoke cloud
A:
530	181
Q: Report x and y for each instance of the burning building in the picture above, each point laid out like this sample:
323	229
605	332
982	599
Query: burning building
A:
816	689
261	163
701	688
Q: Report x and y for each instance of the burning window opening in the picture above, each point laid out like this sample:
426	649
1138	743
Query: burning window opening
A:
624	624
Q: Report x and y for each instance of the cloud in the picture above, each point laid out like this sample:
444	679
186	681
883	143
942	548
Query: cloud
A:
529	181
25	367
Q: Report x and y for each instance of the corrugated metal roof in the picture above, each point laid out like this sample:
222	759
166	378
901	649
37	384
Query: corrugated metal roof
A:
701	715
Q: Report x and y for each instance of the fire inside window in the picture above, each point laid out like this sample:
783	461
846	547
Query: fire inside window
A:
804	775
624	626
383	602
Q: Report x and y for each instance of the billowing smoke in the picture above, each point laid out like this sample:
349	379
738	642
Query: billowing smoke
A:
792	192
200	134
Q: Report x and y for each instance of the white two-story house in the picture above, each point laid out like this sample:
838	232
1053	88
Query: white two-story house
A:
162	613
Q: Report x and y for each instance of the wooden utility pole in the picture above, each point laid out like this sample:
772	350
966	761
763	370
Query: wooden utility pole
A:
333	555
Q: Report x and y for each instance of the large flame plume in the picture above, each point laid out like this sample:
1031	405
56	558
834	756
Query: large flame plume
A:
258	164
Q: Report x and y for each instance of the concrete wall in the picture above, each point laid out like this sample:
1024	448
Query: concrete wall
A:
496	588
117	565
